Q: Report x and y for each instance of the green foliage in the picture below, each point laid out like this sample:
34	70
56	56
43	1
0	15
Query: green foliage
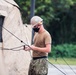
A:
64	50
70	61
62	5
59	18
25	9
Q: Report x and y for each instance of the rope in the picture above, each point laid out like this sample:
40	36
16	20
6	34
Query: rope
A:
13	49
65	61
69	66
57	68
30	48
59	64
26	44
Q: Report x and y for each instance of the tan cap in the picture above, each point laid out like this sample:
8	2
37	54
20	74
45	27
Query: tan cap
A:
35	20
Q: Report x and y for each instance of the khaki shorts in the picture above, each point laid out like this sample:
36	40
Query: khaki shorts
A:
38	67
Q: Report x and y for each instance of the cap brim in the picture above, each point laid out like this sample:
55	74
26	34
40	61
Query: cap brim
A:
37	23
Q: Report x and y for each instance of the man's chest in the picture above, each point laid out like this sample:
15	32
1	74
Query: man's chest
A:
39	40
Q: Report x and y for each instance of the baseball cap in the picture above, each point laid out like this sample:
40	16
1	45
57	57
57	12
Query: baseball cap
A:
36	20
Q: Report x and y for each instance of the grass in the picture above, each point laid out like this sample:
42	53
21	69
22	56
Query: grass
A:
63	61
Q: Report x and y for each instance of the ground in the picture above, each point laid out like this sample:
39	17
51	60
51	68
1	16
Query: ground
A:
64	68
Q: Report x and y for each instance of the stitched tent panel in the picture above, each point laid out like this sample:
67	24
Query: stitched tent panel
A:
16	62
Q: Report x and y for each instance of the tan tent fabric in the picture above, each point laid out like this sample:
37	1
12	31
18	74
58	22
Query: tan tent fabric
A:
3	69
16	62
5	7
12	2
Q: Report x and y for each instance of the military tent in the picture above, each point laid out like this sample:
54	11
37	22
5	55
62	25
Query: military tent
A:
13	36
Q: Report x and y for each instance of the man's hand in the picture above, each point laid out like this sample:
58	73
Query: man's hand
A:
33	47
26	48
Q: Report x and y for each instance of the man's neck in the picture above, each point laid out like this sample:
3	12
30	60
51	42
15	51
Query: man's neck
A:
42	30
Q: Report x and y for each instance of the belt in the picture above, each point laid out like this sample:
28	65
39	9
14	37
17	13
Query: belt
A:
34	58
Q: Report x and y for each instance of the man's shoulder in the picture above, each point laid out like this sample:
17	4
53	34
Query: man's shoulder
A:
46	32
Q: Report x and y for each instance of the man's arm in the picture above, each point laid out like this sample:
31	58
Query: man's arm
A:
44	49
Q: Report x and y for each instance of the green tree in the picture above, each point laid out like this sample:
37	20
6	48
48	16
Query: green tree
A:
59	17
25	9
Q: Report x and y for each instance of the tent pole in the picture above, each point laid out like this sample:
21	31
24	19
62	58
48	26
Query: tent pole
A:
31	15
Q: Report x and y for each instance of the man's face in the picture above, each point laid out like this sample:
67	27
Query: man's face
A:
36	28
